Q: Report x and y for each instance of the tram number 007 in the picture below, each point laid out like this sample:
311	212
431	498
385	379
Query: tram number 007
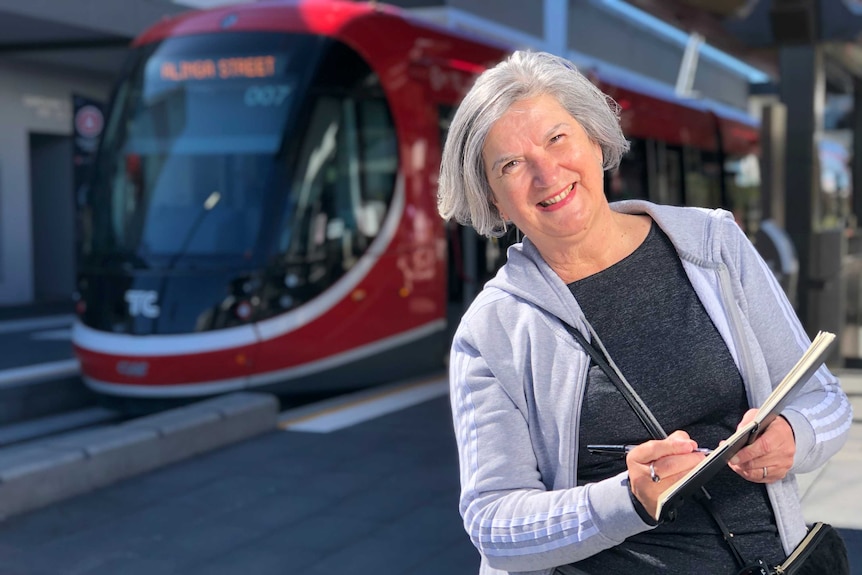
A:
265	96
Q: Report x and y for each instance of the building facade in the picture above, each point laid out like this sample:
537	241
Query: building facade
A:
50	52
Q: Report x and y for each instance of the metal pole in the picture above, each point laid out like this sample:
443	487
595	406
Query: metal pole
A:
556	26
688	67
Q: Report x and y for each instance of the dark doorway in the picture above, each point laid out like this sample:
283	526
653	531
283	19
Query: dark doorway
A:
53	217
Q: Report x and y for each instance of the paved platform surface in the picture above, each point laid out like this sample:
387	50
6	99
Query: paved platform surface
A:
377	498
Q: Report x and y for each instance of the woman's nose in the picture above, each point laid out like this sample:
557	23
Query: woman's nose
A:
545	170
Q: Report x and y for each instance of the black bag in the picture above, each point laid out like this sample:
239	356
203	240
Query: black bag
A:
821	551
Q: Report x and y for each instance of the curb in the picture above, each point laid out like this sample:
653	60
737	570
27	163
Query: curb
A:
47	471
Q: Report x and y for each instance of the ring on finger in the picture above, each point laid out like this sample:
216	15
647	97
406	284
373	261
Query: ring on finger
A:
652	472
765	473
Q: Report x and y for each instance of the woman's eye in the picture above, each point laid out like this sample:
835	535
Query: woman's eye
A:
557	138
509	166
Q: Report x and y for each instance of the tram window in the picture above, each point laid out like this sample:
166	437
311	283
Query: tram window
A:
673	173
187	161
379	165
629	181
457	237
318	168
444	120
702	178
344	170
664	169
345	177
743	185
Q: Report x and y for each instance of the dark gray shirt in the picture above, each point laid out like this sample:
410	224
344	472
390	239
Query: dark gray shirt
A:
659	334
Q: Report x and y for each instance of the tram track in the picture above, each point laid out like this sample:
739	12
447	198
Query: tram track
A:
44	400
51	425
41	392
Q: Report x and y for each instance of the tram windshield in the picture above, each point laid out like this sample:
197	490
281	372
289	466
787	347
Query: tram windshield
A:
187	157
240	154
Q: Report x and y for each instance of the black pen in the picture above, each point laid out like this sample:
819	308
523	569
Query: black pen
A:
623	449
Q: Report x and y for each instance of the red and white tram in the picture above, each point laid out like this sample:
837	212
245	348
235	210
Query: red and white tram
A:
262	210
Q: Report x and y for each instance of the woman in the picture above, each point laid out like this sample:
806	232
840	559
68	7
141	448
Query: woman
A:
682	304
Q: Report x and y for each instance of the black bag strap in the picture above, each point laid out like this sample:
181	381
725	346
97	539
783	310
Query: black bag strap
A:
641	410
653	426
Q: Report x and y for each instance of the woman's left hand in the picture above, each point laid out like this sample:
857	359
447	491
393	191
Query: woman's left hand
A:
770	457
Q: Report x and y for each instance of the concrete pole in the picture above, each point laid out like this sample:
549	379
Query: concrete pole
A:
856	164
773	135
556	26
688	67
821	300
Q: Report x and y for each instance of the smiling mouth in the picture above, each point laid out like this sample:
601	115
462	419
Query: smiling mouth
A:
559	197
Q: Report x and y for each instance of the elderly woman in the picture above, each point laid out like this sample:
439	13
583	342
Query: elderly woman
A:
680	302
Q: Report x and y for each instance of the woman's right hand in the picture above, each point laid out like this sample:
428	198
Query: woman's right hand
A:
671	458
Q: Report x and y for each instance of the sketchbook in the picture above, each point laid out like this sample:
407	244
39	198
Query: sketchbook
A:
774	404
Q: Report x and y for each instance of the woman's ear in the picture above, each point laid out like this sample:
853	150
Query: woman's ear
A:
502	215
497	205
600	154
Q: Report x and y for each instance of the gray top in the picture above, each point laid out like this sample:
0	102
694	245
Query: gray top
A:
659	335
517	381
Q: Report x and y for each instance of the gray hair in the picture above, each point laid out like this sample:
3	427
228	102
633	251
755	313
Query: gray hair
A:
463	190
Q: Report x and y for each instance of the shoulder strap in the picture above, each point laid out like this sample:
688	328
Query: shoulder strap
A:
644	414
602	359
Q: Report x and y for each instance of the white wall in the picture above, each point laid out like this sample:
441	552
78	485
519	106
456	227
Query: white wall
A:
32	99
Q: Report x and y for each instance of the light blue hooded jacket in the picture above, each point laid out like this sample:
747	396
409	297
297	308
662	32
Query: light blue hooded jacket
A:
518	379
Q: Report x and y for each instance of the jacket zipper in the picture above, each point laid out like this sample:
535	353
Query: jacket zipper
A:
576	424
737	332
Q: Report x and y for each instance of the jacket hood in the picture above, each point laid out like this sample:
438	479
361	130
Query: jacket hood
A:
685	226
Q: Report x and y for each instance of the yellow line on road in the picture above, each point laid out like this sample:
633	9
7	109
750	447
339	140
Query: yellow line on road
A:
364	398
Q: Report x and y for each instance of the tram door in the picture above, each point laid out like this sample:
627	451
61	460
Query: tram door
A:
53	217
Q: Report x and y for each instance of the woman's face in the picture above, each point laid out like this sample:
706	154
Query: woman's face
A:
545	172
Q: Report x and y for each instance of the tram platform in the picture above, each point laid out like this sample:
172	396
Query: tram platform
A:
326	491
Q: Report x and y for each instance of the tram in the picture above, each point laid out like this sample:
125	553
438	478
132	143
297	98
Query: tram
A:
262	211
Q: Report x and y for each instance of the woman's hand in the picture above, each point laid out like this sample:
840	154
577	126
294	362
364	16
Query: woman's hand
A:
670	458
770	457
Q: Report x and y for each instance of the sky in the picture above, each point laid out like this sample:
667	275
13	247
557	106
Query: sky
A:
627	10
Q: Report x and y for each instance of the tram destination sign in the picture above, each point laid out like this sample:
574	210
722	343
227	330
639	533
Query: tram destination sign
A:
246	67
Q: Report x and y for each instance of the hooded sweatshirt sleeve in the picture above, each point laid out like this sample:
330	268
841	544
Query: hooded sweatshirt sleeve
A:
513	518
820	415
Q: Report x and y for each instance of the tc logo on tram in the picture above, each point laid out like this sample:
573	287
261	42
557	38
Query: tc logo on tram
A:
142	303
